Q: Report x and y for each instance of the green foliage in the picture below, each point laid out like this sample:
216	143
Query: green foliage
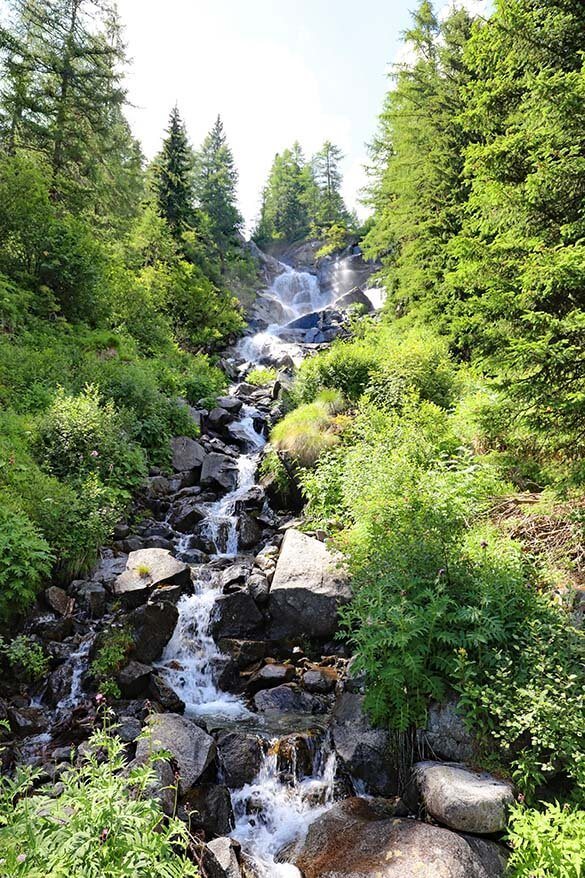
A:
547	842
104	821
309	430
25	560
79	436
173	172
26	658
110	658
216	180
261	375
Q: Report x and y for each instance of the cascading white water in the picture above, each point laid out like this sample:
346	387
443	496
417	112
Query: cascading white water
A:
271	813
299	291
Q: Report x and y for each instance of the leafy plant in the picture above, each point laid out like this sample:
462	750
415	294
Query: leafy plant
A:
547	842
26	658
25	560
261	375
309	430
104	821
110	658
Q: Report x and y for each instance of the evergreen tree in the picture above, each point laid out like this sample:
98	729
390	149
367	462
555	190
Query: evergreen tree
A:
173	178
216	180
330	208
286	199
418	189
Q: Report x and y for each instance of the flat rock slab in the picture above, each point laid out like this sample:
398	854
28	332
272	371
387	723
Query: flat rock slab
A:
308	588
146	569
192	749
462	799
362	839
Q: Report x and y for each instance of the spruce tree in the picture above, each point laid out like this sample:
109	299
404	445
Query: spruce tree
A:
286	200
173	178
330	208
216	180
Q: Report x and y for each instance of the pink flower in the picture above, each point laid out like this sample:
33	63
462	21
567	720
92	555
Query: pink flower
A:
94	453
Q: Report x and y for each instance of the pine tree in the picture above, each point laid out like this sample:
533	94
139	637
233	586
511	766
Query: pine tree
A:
216	180
286	199
173	178
418	188
330	208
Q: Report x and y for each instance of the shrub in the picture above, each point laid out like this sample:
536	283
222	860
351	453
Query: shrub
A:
103	822
261	375
25	560
110	658
547	842
309	430
346	366
26	658
79	436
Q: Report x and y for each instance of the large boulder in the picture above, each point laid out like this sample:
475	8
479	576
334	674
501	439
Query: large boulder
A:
187	454
191	748
186	515
308	588
287	699
226	852
240	755
219	471
147	568
359	839
133	679
364	751
152	627
353	297
210	809
466	800
235	615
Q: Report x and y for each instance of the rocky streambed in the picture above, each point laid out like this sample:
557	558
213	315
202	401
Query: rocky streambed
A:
228	615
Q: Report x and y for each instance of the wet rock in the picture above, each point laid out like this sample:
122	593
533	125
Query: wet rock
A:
26	721
235	616
162	693
91	596
364	751
187	454
158	486
133	679
209	807
320	680
58	600
146	569
226	852
462	799
236	573
259	588
108	568
218	418
353	297
253	499
270	676
286	699
170	593
241	756
192	749
249	531
230	403
152	625
295	754
49	628
186	515
307	590
357	838
243	652
446	734
59	683
219	471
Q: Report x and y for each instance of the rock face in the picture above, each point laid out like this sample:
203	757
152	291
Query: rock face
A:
219	471
187	454
307	590
235	615
463	799
152	626
146	569
192	749
210	809
225	851
446	734
364	750
241	756
360	839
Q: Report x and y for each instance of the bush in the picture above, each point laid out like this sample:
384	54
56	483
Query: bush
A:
111	658
306	432
25	560
261	375
103	822
546	842
26	658
346	366
80	435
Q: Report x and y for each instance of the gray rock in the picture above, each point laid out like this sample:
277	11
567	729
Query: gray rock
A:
59	683
133	679
162	693
462	799
363	750
241	756
58	600
128	728
243	652
235	616
218	418
226	852
91	596
187	454
249	531
108	568
146	569
307	590
353	297
186	515
270	676
285	699
192	749
210	809
27	720
446	734
219	471
321	680
152	625
230	403
357	838
259	588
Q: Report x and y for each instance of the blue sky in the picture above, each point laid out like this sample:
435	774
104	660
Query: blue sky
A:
276	70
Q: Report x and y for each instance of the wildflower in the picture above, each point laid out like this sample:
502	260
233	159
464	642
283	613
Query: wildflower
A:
104	835
94	453
21	858
100	699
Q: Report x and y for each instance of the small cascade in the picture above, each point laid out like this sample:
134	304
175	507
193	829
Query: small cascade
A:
299	291
277	808
78	661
